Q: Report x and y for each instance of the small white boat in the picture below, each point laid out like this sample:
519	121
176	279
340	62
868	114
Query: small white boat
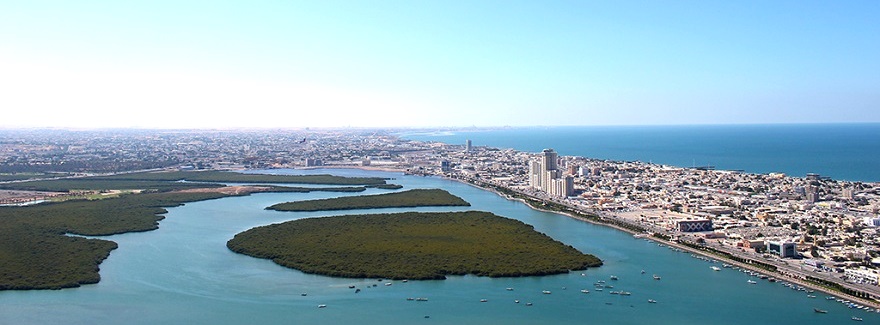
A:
656	277
715	268
546	292
751	282
585	291
509	289
322	306
652	301
625	293
484	300
858	319
613	277
516	301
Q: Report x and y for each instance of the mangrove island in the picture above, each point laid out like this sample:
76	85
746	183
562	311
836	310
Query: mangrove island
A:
412	245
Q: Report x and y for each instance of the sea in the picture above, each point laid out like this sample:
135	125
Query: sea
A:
849	152
182	273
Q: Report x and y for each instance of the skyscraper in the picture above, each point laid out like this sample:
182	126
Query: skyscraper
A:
544	175
467	145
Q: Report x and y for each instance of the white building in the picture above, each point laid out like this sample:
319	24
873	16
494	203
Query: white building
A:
862	275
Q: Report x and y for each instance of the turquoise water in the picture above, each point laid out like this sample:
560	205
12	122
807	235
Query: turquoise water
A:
841	151
183	273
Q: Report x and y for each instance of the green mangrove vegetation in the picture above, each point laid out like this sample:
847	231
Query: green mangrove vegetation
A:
36	252
412	245
173	181
234	177
405	199
93	184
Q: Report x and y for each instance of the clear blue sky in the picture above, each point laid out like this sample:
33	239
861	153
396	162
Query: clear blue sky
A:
217	63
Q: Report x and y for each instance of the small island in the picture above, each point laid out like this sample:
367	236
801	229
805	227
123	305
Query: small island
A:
412	245
406	199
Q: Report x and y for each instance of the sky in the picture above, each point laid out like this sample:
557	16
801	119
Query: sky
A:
292	64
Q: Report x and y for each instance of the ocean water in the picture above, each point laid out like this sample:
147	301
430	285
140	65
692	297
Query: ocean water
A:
182	273
840	151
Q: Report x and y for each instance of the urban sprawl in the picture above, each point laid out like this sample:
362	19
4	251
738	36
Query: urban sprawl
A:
805	226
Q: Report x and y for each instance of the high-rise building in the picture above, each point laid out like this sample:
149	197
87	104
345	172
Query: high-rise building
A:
467	146
545	175
549	159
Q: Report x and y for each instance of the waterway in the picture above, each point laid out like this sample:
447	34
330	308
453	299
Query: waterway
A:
183	273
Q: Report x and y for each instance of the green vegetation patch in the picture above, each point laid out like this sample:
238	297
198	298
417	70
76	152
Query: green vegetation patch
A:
172	181
93	184
4	177
36	253
405	199
412	245
233	177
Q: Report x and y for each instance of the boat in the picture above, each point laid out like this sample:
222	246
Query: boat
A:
357	290
598	289
625	293
585	291
304	294
410	299
388	284
509	289
421	299
652	301
656	277
528	304
715	268
546	292
322	306
821	311
613	277
751	282
811	296
516	301
484	300
351	287
614	292
643	271
858	319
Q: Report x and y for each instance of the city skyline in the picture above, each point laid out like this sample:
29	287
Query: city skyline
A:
431	64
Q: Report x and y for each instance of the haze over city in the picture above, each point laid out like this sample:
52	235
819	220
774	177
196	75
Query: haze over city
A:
220	64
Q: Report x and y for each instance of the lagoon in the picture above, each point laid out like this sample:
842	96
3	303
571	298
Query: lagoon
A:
183	273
